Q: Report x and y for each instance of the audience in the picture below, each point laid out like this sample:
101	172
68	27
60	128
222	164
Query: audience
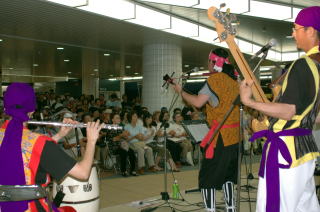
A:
142	141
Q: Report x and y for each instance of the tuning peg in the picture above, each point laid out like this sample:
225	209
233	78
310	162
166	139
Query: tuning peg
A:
222	5
228	11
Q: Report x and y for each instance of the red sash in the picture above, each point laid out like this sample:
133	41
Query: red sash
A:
210	150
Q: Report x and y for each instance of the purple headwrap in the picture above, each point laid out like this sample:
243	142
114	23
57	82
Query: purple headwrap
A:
309	17
19	100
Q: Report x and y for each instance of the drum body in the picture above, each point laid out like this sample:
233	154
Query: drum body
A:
83	196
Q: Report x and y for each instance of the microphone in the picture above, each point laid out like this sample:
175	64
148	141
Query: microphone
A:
195	69
265	48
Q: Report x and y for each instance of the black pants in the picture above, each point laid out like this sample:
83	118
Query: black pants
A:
175	150
221	168
123	159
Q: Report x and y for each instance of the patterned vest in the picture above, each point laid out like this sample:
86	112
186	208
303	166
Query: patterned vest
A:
302	148
32	145
226	89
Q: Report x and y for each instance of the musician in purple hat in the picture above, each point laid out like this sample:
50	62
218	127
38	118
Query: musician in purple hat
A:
286	182
28	158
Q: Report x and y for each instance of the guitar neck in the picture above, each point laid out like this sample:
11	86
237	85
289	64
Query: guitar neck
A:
246	71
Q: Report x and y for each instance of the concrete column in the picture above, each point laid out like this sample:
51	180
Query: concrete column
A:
161	55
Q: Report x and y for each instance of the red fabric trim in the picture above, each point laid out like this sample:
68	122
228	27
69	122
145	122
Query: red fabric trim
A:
206	139
36	154
32	206
44	204
66	209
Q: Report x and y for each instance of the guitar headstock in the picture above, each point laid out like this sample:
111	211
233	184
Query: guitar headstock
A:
224	22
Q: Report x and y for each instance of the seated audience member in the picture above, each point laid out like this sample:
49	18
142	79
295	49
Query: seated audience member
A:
117	143
155	118
136	141
174	148
176	110
195	116
149	134
70	140
187	111
113	101
178	135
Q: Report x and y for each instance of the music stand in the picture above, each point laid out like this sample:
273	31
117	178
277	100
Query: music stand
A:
196	130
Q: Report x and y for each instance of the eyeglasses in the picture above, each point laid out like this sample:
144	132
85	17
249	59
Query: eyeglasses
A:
296	29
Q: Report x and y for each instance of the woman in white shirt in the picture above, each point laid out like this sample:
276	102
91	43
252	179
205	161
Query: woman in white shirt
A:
149	134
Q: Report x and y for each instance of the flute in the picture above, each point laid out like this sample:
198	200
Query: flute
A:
80	125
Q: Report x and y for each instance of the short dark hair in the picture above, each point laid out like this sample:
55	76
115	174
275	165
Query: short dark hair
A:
145	117
112	115
162	115
129	116
174	115
220	52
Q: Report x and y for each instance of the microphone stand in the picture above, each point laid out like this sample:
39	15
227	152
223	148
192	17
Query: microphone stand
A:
78	142
264	56
165	195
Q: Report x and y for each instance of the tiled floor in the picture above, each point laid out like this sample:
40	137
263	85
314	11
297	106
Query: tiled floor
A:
125	194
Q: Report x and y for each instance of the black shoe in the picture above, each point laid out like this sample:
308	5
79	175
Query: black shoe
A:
134	173
124	174
185	163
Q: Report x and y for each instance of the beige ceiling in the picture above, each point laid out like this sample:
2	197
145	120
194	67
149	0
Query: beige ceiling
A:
32	30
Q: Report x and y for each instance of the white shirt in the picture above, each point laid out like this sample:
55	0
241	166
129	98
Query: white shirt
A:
179	131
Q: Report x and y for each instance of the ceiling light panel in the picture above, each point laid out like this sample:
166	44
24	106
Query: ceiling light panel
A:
295	12
183	28
290	56
70	3
238	6
184	3
206	35
119	9
150	18
245	46
268	10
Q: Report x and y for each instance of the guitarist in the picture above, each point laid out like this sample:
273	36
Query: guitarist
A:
287	169
219	167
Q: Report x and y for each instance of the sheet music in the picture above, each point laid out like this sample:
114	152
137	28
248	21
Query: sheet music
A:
198	131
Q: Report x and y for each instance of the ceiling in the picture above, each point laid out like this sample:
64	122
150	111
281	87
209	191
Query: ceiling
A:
32	30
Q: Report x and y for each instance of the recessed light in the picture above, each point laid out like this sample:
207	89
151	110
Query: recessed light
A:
91	74
289	36
1	40
35	65
60	48
106	54
128	66
69	72
10	68
136	73
95	69
66	60
201	68
111	75
186	66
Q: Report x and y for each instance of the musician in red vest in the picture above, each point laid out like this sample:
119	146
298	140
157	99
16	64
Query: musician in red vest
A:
28	158
219	167
286	182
